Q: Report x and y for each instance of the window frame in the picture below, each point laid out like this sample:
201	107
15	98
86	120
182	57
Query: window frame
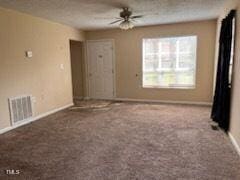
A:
186	87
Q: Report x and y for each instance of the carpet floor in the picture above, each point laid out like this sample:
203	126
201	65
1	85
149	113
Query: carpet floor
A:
121	141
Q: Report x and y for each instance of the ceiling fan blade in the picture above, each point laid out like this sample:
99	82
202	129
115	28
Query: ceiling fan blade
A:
136	21
150	14
107	18
135	17
116	21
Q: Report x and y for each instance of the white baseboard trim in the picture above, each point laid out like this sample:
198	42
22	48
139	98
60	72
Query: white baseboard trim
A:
4	130
234	142
34	119
164	101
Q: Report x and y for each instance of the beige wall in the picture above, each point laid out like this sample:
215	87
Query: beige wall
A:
40	75
77	57
235	106
128	52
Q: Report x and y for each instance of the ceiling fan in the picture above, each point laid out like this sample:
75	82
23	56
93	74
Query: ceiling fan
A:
126	19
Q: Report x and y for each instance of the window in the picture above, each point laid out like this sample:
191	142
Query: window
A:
169	62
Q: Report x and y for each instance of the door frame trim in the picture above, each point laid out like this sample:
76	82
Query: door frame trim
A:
88	68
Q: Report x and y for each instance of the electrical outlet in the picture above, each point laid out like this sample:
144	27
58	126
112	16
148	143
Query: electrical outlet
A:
42	97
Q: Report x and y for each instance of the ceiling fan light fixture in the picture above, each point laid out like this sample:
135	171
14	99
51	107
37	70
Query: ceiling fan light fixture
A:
125	25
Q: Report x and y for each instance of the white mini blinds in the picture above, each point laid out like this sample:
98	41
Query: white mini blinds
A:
169	62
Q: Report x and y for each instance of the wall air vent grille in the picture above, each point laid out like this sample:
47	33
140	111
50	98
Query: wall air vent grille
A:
20	108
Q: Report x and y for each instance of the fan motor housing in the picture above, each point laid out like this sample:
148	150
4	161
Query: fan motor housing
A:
125	13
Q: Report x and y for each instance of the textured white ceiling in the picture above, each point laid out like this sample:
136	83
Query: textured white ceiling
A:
97	14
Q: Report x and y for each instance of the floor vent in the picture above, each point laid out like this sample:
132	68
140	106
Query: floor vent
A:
20	108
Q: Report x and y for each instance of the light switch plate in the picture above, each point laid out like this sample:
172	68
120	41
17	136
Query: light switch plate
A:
62	66
29	54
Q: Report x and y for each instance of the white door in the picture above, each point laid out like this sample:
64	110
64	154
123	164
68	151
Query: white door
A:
101	69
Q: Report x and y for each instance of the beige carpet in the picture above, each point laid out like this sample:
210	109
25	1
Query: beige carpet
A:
121	141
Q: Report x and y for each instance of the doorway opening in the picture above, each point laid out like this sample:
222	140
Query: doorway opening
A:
77	65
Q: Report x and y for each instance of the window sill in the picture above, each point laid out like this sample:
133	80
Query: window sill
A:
169	87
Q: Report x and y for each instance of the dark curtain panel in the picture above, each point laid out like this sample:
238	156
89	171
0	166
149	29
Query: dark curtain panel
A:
221	103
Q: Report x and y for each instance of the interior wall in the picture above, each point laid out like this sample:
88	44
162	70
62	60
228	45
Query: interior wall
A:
128	53
77	56
47	75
